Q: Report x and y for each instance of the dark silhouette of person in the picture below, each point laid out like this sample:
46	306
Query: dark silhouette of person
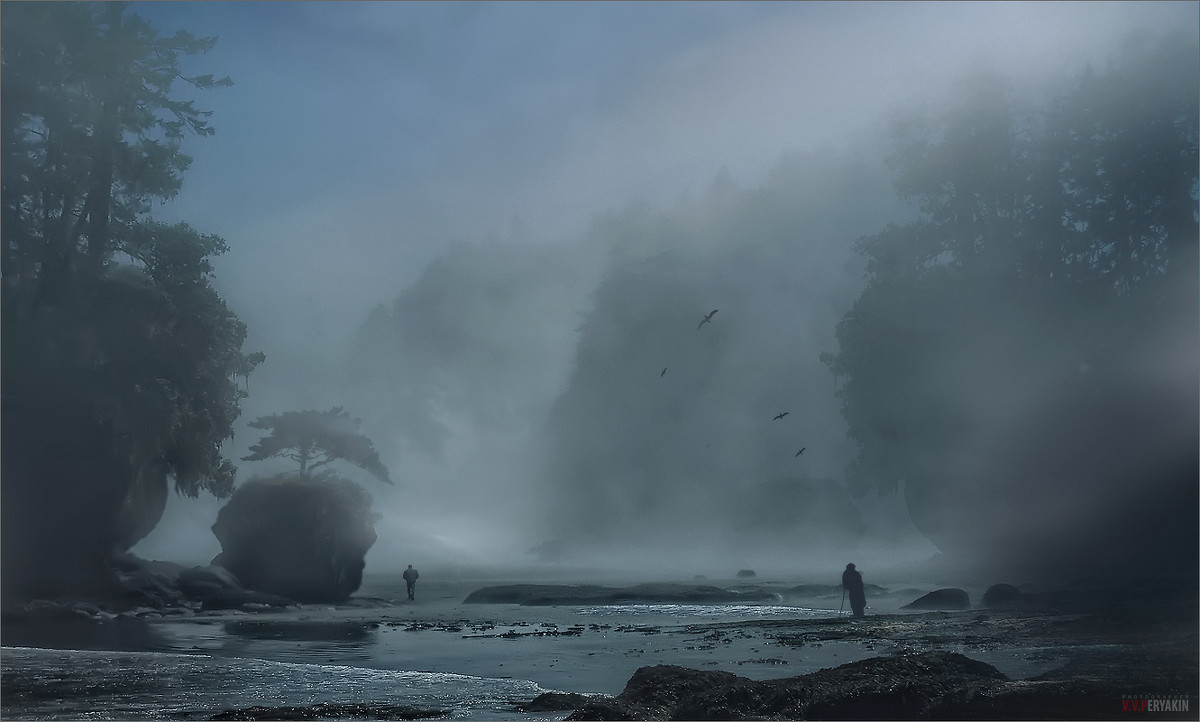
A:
853	584
410	580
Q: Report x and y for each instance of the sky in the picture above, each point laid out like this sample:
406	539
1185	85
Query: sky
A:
493	179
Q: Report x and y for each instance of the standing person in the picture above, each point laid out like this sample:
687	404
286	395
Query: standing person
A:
410	580
852	582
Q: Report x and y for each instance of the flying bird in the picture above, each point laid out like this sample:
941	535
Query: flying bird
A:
780	416
800	452
664	372
708	317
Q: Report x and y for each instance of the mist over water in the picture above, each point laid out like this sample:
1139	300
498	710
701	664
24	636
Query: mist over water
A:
517	391
526	352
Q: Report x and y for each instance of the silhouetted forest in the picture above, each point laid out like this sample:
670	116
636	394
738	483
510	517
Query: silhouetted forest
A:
119	358
1023	359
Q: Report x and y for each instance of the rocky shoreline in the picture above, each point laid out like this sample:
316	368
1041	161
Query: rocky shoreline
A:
1110	664
1104	647
545	595
924	685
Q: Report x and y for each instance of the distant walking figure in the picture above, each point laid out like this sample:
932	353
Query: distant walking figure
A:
410	579
853	584
708	317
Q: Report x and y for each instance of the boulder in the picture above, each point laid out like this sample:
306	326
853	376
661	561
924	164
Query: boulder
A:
201	579
151	583
215	587
1001	596
917	686
301	538
950	598
555	702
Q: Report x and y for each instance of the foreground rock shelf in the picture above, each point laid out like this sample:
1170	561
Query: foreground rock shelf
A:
926	685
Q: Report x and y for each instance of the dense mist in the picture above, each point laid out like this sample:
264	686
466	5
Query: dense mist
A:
528	355
568	403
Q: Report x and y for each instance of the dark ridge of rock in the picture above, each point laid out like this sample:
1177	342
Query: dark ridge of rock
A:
666	687
746	573
1002	596
556	701
332	711
208	577
907	687
153	589
927	685
607	708
240	599
530	595
951	598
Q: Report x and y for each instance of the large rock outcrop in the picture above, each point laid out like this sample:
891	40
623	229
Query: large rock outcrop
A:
927	685
304	539
63	487
949	598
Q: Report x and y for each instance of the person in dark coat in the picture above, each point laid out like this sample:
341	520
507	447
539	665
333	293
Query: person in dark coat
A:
853	584
410	580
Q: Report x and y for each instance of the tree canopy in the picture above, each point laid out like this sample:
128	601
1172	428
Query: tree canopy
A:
1001	346
111	325
315	439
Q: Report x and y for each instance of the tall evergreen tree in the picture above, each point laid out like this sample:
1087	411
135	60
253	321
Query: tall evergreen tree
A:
314	439
118	355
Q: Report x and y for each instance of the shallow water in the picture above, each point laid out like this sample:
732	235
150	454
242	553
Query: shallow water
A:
687	613
75	684
476	661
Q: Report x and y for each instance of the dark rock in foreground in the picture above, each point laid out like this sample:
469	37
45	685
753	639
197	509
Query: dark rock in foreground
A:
216	588
532	595
304	539
331	710
556	701
929	685
942	599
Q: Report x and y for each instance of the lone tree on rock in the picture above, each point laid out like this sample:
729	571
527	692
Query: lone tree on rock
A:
317	438
302	534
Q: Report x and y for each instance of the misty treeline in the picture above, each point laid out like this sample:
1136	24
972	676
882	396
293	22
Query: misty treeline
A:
1024	356
119	358
1009	316
1000	323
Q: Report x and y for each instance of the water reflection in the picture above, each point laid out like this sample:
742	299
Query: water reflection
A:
71	632
348	633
